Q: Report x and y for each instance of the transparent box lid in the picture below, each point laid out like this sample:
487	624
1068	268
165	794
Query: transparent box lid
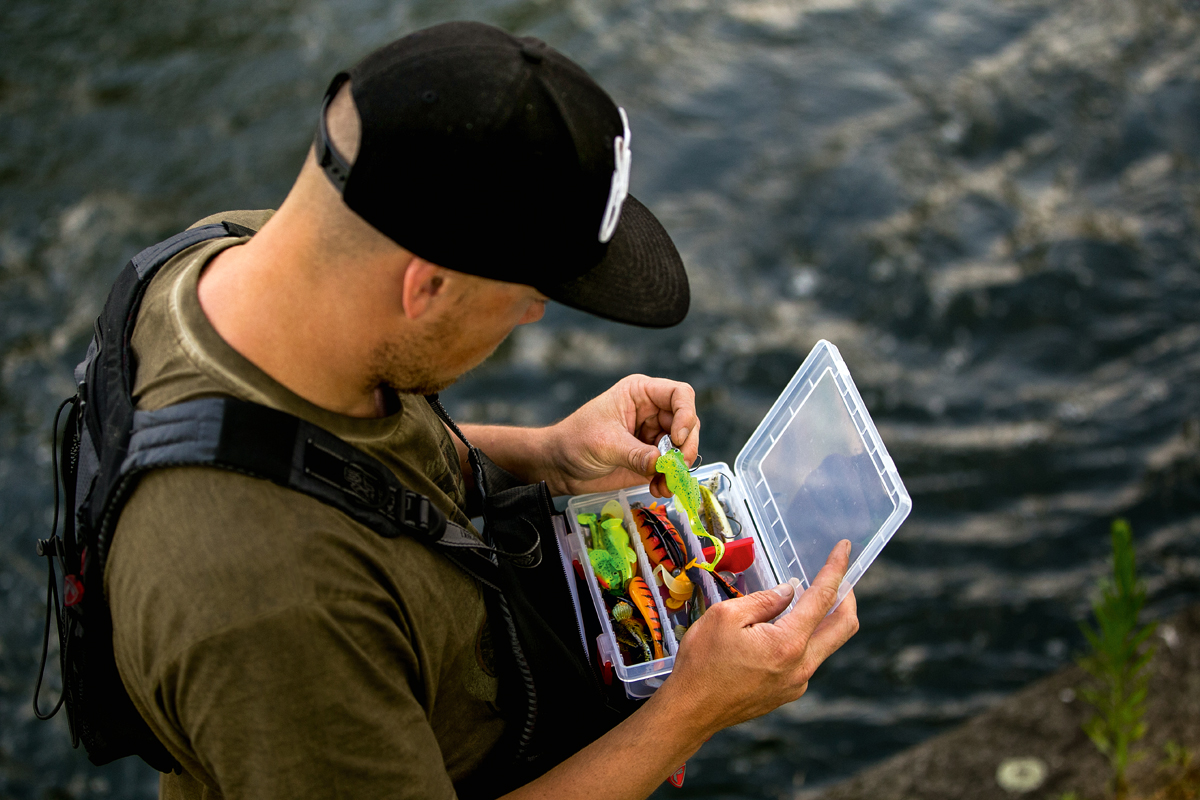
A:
816	472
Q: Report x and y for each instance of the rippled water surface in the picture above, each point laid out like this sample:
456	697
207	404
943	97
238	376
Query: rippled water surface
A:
990	206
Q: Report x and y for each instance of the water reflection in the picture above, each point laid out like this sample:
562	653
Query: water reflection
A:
991	208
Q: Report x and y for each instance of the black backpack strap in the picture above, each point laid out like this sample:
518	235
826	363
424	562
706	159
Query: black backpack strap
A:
107	410
252	439
99	711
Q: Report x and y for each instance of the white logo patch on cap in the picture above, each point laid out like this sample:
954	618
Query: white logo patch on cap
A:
622	158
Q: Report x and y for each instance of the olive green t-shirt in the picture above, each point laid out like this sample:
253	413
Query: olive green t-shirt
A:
275	646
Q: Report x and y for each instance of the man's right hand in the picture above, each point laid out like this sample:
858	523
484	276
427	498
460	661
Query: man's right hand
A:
734	665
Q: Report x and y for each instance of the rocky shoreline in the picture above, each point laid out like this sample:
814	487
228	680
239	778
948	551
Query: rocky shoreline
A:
1043	722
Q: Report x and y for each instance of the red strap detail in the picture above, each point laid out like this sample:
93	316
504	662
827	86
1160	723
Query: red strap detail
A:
578	568
606	671
676	779
72	590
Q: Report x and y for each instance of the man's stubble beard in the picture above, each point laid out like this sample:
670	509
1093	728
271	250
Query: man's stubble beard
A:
408	368
416	364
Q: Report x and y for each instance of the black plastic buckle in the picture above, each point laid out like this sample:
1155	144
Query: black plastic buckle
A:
422	516
51	548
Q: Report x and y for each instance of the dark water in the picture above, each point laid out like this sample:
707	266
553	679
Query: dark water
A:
990	206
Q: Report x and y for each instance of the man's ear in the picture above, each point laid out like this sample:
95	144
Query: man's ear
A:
424	283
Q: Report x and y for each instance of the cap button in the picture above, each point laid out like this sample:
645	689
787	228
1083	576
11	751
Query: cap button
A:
533	51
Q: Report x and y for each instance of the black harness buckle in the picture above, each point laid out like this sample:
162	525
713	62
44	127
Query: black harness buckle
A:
420	515
51	548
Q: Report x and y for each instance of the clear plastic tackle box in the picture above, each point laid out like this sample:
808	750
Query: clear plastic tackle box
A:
814	472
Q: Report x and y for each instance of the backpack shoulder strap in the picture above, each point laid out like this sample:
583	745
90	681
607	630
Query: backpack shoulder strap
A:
106	402
99	711
262	442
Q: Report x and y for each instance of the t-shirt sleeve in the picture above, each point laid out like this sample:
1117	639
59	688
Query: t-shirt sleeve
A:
308	701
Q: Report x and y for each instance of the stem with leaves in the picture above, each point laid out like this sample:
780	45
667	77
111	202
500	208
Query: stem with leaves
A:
1117	661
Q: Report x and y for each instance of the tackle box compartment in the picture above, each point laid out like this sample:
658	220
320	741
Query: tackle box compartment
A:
813	473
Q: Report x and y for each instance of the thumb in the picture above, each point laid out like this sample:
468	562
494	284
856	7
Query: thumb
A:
640	458
761	606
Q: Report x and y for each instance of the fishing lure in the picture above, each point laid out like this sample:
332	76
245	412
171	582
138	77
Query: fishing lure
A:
712	513
612	510
612	558
635	634
616	543
681	588
609	573
686	490
640	594
592	523
696	608
726	586
662	542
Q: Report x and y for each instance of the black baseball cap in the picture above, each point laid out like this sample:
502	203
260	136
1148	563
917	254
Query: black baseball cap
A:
498	156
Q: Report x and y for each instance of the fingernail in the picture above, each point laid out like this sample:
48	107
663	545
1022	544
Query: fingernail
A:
795	582
784	589
846	547
683	434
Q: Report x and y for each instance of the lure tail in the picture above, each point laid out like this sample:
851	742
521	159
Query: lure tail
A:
680	588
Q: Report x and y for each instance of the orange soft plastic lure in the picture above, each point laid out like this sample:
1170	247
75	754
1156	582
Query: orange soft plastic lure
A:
663	543
640	594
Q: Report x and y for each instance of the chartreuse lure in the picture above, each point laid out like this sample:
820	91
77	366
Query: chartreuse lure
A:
687	493
616	544
611	556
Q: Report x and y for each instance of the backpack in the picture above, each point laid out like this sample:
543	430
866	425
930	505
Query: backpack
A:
554	700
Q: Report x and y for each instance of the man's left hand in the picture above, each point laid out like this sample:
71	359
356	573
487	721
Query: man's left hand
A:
611	441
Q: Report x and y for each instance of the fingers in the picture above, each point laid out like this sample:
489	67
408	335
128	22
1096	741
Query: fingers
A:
757	607
832	632
821	594
673	407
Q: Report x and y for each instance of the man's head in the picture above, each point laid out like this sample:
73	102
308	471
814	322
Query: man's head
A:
461	177
498	157
450	321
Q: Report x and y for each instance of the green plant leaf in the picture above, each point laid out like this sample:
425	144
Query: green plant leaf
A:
1117	659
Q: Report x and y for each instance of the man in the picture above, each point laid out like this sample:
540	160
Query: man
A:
277	648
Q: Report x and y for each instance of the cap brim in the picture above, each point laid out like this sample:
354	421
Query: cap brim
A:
641	280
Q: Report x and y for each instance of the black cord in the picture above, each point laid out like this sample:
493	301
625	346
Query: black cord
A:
51	602
52	581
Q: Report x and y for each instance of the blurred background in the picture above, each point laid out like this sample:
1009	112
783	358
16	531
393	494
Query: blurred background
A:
990	206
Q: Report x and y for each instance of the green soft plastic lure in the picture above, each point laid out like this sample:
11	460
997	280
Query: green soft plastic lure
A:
609	573
616	544
611	556
687	493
